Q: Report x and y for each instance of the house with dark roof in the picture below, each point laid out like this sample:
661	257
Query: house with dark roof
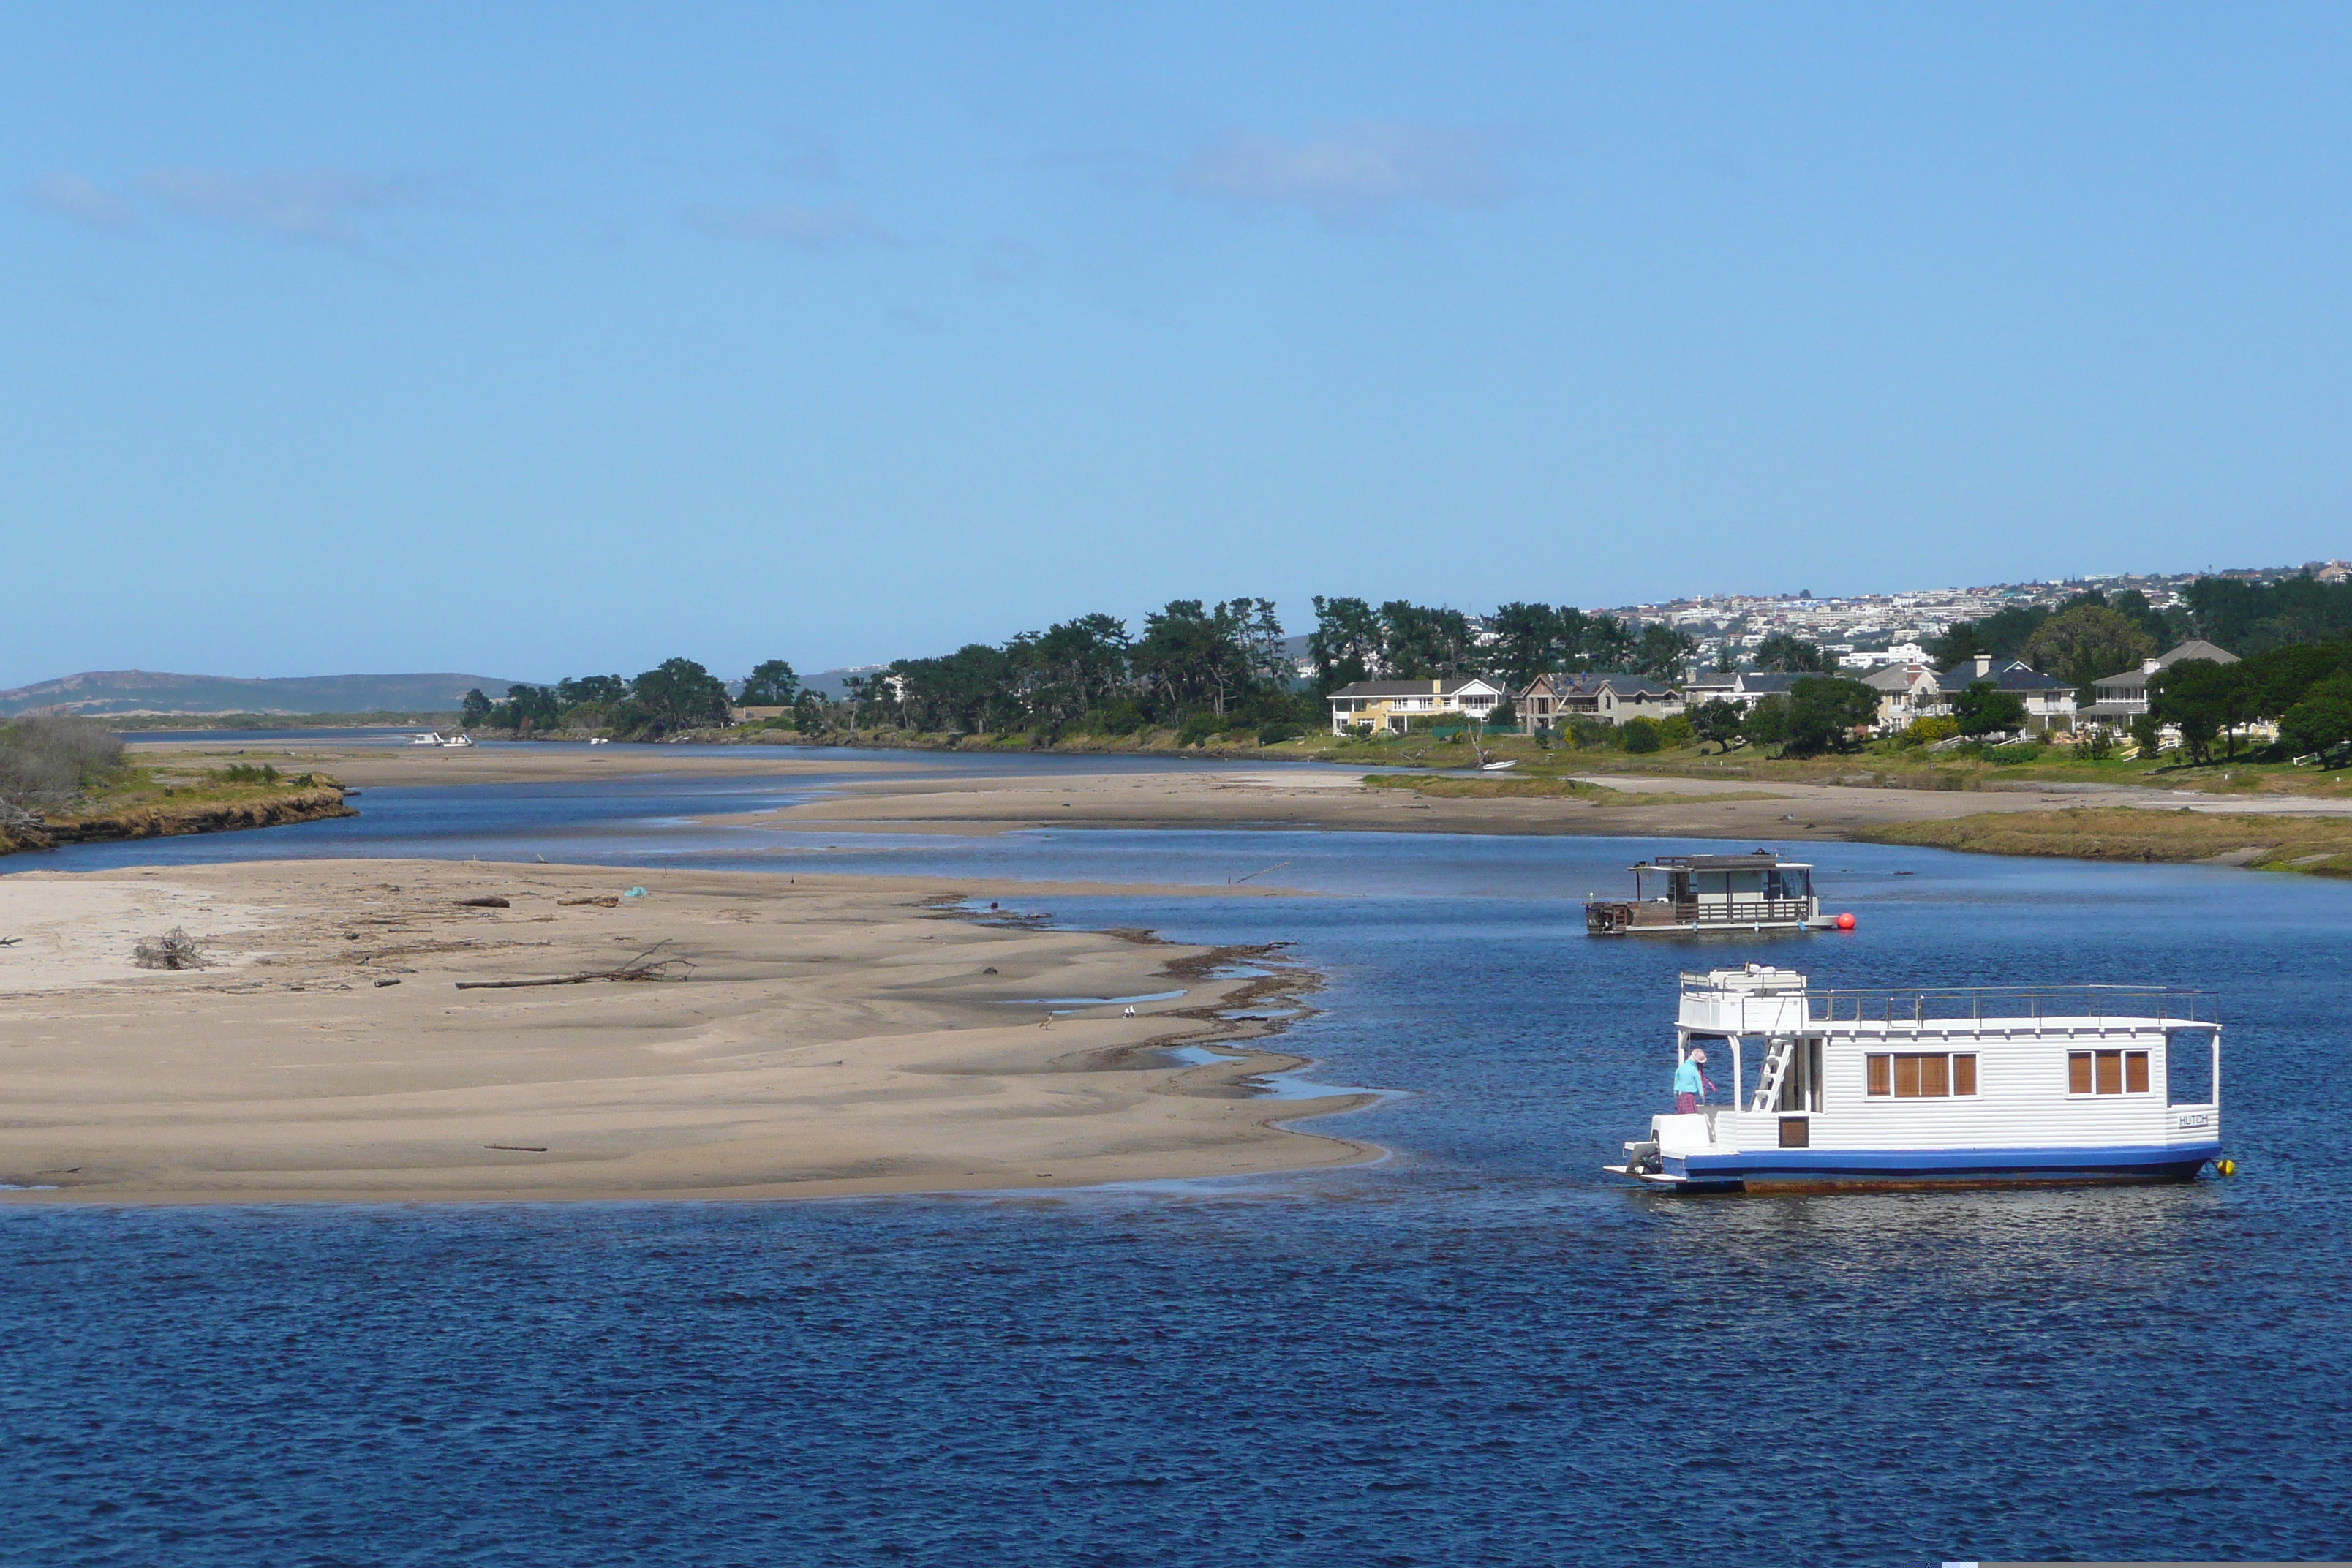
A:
1393	706
1614	699
1549	702
2049	701
1905	691
1742	688
2123	697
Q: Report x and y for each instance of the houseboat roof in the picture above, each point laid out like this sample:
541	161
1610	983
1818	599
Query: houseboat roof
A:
1754	860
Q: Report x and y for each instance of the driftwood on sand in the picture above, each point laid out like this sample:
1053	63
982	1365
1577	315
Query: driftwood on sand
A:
644	967
175	949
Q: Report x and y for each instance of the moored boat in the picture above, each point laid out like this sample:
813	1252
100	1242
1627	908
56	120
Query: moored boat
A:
1684	894
1961	1087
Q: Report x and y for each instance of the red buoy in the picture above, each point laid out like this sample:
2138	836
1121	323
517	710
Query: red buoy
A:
1845	922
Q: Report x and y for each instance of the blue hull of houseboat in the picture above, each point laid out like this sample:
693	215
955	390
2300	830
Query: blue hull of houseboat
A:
1793	1169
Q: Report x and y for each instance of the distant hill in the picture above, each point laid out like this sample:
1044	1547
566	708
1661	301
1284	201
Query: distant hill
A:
132	691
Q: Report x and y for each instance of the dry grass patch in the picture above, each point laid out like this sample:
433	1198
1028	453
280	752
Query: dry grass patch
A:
1492	786
2319	846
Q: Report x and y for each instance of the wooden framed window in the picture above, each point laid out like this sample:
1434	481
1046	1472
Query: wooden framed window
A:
2107	1072
1921	1075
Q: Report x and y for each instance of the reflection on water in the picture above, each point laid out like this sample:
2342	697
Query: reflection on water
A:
1481	1350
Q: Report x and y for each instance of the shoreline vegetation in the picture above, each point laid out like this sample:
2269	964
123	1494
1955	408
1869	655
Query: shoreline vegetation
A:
71	781
446	1031
2315	846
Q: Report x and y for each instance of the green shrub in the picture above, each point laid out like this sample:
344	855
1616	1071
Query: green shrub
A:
1275	735
53	757
1580	732
1927	731
1196	729
247	772
1642	735
1121	717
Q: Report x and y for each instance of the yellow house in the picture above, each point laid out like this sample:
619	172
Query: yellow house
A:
1394	706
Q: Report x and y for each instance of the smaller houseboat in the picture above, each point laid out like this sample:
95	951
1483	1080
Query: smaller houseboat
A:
1910	1087
1678	894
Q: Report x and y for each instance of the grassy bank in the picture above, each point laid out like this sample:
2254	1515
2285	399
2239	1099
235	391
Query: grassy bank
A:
163	801
143	722
2321	847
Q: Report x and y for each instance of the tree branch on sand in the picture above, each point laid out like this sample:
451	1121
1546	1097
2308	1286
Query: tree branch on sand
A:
644	967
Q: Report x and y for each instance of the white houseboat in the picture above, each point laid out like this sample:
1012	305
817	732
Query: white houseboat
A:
1679	894
1907	1087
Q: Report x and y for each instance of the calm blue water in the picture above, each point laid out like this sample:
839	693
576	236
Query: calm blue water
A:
1479	1352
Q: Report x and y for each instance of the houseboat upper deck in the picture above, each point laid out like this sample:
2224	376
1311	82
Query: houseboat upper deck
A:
1678	894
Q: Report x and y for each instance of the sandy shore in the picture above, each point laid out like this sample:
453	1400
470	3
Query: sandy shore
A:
833	1036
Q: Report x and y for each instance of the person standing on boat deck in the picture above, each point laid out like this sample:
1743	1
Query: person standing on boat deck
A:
1690	1083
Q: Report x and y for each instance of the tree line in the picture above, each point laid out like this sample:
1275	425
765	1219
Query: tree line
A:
1201	667
2093	635
2305	688
674	696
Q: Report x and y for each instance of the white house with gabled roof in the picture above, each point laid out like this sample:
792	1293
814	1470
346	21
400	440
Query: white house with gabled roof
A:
1394	706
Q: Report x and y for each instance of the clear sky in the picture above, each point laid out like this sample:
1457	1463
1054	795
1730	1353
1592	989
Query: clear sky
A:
535	341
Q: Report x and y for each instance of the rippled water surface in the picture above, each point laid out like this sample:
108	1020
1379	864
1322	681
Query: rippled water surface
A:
1478	1352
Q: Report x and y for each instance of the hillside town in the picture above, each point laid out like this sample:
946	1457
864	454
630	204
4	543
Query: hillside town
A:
1864	631
1917	653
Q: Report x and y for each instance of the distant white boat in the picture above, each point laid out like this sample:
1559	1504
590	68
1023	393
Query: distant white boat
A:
430	738
1504	766
458	740
599	741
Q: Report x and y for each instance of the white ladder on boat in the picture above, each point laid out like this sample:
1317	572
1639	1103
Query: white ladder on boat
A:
1776	1069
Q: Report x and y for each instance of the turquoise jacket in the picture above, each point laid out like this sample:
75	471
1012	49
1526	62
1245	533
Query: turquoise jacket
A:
1688	1079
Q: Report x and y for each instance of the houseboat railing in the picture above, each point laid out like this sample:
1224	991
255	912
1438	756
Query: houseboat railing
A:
1918	1004
1737	910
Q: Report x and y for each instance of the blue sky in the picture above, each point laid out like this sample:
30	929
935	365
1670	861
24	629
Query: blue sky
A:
534	341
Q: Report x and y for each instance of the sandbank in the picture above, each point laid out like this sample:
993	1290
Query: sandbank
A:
1624	805
833	1036
916	796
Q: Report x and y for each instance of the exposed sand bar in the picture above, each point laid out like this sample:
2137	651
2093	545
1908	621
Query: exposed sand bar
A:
836	1035
916	796
370	766
1757	811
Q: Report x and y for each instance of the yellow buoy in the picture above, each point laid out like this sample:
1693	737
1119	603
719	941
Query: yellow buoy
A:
2227	1167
